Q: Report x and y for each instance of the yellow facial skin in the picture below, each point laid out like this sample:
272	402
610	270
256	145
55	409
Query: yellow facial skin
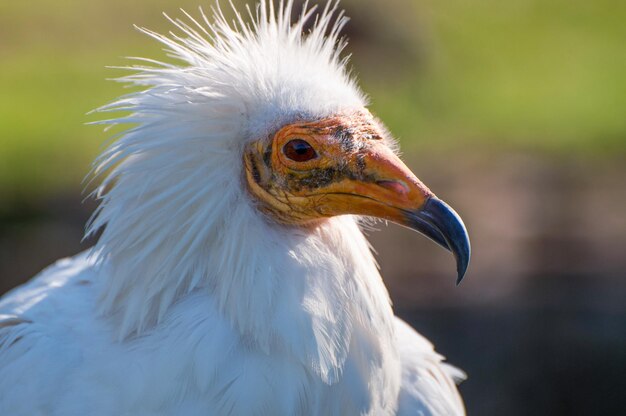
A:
344	167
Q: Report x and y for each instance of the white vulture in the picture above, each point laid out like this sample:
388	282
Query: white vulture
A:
231	276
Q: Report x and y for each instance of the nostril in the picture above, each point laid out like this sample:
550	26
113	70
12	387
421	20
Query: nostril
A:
396	186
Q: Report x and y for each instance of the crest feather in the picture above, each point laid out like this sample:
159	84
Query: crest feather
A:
172	181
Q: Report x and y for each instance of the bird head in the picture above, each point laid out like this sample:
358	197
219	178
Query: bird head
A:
255	133
344	164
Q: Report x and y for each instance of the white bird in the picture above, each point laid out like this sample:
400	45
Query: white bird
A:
232	276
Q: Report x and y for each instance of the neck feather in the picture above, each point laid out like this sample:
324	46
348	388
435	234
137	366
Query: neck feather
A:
302	291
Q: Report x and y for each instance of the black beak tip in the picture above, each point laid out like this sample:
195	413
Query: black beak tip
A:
437	221
461	269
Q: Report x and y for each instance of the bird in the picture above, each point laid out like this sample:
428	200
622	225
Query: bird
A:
231	275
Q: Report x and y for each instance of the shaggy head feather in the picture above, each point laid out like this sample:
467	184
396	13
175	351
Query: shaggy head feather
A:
176	215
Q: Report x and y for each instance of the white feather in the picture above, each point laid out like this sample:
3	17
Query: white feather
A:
159	199
192	302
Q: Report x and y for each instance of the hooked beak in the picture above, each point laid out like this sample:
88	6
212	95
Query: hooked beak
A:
437	221
387	189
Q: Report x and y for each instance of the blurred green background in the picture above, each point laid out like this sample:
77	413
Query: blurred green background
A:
541	75
512	110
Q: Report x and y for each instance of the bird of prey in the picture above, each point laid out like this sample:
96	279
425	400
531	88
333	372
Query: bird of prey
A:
231	276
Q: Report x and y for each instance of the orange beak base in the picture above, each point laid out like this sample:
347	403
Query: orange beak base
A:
387	189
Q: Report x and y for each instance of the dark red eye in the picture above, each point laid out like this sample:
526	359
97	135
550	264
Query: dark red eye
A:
299	151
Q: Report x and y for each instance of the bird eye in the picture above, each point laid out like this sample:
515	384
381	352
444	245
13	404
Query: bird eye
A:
299	151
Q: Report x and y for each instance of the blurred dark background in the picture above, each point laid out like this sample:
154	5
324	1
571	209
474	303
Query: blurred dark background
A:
512	111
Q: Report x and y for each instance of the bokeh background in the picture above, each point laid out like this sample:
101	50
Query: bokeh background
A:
513	111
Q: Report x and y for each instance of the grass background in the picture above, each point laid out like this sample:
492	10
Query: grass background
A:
545	76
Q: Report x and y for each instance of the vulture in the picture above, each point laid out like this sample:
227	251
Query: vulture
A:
231	275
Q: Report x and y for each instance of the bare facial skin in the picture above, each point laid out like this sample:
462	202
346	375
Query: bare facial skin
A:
311	170
341	165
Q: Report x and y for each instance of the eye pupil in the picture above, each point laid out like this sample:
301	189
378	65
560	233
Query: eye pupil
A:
299	150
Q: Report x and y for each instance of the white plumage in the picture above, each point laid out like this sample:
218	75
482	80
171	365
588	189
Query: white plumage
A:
192	302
